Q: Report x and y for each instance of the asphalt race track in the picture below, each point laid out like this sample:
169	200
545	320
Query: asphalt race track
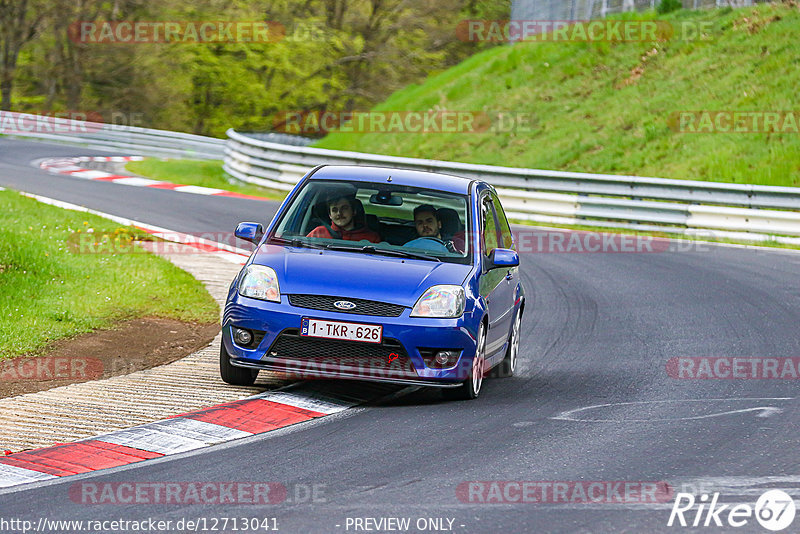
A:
592	400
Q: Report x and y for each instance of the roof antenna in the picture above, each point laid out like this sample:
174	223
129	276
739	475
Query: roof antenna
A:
389	179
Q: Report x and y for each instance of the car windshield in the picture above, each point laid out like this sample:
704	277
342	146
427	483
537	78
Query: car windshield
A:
373	218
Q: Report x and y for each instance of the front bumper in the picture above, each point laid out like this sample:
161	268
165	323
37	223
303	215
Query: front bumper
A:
398	359
305	372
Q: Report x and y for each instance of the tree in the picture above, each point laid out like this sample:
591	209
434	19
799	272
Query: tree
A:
336	55
19	22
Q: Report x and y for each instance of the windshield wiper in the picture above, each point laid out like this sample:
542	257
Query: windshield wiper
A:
388	252
402	253
295	242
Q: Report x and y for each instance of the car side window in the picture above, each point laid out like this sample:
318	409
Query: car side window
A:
507	238
489	239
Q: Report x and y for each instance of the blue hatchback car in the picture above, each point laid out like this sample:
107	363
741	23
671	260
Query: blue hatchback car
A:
378	274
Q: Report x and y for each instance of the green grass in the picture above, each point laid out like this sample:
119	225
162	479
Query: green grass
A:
591	114
204	173
50	290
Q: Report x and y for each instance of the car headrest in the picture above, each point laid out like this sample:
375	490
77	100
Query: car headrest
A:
320	211
372	222
451	224
358	208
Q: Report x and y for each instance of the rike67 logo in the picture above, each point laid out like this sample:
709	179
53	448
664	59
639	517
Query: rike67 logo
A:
774	511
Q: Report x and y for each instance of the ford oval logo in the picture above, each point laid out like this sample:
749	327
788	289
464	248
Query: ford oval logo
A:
344	305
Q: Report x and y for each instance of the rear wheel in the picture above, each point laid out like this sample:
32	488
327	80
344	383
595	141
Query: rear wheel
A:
236	376
471	387
509	364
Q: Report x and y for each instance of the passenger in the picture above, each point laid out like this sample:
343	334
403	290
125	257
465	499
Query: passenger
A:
429	225
347	222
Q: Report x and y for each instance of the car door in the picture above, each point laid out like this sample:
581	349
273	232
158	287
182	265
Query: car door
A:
511	273
493	285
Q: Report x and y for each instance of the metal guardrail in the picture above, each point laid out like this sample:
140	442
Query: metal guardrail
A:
550	197
592	9
738	211
280	138
132	139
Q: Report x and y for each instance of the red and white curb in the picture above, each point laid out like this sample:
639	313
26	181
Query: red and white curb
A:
72	167
226	252
186	432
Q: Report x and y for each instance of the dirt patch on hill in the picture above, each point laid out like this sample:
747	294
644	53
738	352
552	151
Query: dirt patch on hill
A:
130	346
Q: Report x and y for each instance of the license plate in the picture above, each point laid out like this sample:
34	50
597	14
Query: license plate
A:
368	333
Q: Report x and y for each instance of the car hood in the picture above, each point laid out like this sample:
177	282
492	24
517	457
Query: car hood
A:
356	275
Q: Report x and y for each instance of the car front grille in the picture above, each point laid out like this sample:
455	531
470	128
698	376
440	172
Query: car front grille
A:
351	358
363	307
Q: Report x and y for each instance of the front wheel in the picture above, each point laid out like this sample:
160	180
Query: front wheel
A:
471	387
236	376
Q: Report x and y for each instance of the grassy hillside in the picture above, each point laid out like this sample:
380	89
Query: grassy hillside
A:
606	107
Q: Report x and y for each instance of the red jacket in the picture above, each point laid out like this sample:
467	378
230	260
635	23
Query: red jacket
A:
356	234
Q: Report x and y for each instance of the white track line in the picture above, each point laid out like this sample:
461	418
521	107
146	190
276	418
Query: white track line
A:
71	167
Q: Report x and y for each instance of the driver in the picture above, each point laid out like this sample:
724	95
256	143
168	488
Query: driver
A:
346	222
427	222
428	225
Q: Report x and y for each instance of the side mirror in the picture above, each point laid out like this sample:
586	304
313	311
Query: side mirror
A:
249	231
503	257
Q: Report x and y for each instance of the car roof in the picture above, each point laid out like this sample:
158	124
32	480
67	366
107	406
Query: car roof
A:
428	180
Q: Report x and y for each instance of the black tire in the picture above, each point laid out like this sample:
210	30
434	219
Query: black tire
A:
236	376
506	368
471	387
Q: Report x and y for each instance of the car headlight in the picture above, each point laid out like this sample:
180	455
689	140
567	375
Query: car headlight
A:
260	282
440	301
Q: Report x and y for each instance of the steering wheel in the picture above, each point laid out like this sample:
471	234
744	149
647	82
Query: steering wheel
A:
432	244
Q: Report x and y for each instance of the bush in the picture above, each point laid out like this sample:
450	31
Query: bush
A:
667	6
